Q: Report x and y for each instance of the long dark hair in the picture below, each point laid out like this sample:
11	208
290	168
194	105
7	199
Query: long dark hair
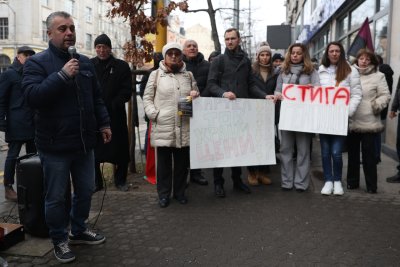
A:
343	68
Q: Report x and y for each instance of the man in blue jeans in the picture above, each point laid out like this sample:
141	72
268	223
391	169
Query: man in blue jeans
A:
393	113
61	86
16	118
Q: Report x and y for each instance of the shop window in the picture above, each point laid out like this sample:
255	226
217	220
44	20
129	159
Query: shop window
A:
358	15
381	34
342	26
298	26
383	4
5	62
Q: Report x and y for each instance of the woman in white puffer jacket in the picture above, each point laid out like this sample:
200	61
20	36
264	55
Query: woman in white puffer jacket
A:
335	71
366	122
170	131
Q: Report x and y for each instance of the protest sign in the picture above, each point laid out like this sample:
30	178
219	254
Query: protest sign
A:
314	109
225	133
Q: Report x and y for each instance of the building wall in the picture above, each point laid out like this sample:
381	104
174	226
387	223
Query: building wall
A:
202	36
332	30
31	14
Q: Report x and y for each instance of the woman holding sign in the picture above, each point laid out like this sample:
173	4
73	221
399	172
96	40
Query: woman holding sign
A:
366	121
335	71
297	68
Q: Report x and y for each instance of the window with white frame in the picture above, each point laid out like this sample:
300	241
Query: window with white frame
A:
88	41
88	14
70	6
3	28
44	2
45	37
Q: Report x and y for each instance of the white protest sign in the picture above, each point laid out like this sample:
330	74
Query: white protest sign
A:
314	109
225	133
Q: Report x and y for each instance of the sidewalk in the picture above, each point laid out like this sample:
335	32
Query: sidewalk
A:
266	228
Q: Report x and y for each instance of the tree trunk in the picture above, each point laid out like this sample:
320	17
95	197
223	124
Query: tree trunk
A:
214	31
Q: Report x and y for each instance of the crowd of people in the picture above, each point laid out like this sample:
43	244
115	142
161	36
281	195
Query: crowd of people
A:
66	107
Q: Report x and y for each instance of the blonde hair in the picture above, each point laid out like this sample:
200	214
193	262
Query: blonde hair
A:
308	65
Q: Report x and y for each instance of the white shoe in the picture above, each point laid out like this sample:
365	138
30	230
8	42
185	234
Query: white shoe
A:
327	189
338	188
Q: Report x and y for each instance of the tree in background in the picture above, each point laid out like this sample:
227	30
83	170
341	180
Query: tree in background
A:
139	49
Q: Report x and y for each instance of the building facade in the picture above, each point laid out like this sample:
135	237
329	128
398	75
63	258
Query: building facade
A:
318	22
24	23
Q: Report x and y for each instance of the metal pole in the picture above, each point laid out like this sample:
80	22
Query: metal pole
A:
236	14
249	49
161	38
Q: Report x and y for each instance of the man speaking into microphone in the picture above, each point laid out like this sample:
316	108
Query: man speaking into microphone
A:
63	90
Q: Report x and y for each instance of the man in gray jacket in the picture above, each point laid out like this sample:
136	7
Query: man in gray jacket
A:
230	76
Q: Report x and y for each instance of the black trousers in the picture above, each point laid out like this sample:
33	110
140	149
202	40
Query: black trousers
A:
367	143
172	171
219	179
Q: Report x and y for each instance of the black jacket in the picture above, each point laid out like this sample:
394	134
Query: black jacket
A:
231	72
387	70
199	67
69	112
116	83
16	118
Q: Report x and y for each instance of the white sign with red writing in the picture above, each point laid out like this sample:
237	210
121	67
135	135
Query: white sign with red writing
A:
226	133
314	109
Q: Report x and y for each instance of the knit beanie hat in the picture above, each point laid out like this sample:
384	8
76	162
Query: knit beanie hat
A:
277	56
103	39
264	47
170	46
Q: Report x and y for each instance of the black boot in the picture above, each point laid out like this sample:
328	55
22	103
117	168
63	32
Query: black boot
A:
240	186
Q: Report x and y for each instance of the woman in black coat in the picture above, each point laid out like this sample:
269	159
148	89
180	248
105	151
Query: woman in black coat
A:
265	77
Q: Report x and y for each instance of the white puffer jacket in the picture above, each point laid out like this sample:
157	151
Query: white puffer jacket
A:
327	77
160	100
376	97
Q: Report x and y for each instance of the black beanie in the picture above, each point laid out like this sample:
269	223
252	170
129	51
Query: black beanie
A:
103	39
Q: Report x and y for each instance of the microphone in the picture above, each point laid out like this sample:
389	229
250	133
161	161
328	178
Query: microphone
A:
72	51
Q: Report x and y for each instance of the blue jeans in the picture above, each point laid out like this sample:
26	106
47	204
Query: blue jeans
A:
14	148
58	169
331	152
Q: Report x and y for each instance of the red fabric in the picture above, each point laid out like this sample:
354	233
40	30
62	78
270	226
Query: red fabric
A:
362	40
150	161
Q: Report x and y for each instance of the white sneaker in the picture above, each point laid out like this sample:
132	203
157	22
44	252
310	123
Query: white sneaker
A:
327	189
338	188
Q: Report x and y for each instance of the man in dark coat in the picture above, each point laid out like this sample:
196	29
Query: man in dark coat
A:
230	76
115	79
195	63
61	86
16	118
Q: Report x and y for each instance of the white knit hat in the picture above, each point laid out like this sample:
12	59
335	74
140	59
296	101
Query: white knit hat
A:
264	47
170	46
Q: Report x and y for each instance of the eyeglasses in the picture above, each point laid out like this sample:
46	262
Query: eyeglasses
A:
174	53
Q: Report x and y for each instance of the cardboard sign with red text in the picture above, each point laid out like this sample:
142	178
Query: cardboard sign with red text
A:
314	109
226	133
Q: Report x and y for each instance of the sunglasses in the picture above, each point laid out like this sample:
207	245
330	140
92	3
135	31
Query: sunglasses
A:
174	53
